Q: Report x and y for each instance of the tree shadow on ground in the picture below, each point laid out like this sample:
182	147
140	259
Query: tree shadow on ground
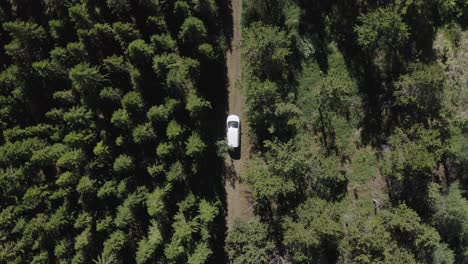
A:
322	31
213	86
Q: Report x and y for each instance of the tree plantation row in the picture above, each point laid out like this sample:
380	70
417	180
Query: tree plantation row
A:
104	143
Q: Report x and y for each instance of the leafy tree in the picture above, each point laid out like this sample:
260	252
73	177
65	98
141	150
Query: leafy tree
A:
157	24
147	247
262	101
77	51
86	79
163	43
102	35
114	245
206	8
58	30
108	189
176	172
174	130
412	159
79	139
71	160
139	52
144	134
249	242
123	164
16	133
133	102
192	31
155	201
118	6
121	119
117	70
268	12
165	150
125	33
47	156
196	105
266	51
306	173
163	63
206	51
67	179
79	15
27	43
451	220
111	95
102	259
66	97
406	227
382	28
315	233
421	92
194	146
181	10
181	75
201	254
78	117
82	241
263	184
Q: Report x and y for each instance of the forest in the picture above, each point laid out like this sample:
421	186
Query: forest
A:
112	116
358	112
106	154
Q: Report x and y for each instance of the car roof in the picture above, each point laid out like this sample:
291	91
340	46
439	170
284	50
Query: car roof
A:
233	118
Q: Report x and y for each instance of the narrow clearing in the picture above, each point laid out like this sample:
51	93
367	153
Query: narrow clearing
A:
238	204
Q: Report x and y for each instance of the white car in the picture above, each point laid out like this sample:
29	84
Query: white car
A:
233	131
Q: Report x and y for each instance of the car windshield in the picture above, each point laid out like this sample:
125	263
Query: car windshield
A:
233	124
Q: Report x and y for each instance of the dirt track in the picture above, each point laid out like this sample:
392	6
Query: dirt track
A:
237	196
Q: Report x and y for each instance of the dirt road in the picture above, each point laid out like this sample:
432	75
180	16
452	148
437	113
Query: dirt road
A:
237	196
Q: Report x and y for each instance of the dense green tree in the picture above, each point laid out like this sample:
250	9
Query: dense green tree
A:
268	12
147	247
79	16
118	6
315	233
163	43
125	33
123	164
86	79
194	146
28	40
249	242
192	31
412	159
133	102
162	112
101	35
382	28
58	30
267	51
420	93
451	220
144	134
196	105
121	119
139	52
306	173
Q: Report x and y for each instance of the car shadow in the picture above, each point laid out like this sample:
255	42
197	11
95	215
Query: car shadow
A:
235	153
